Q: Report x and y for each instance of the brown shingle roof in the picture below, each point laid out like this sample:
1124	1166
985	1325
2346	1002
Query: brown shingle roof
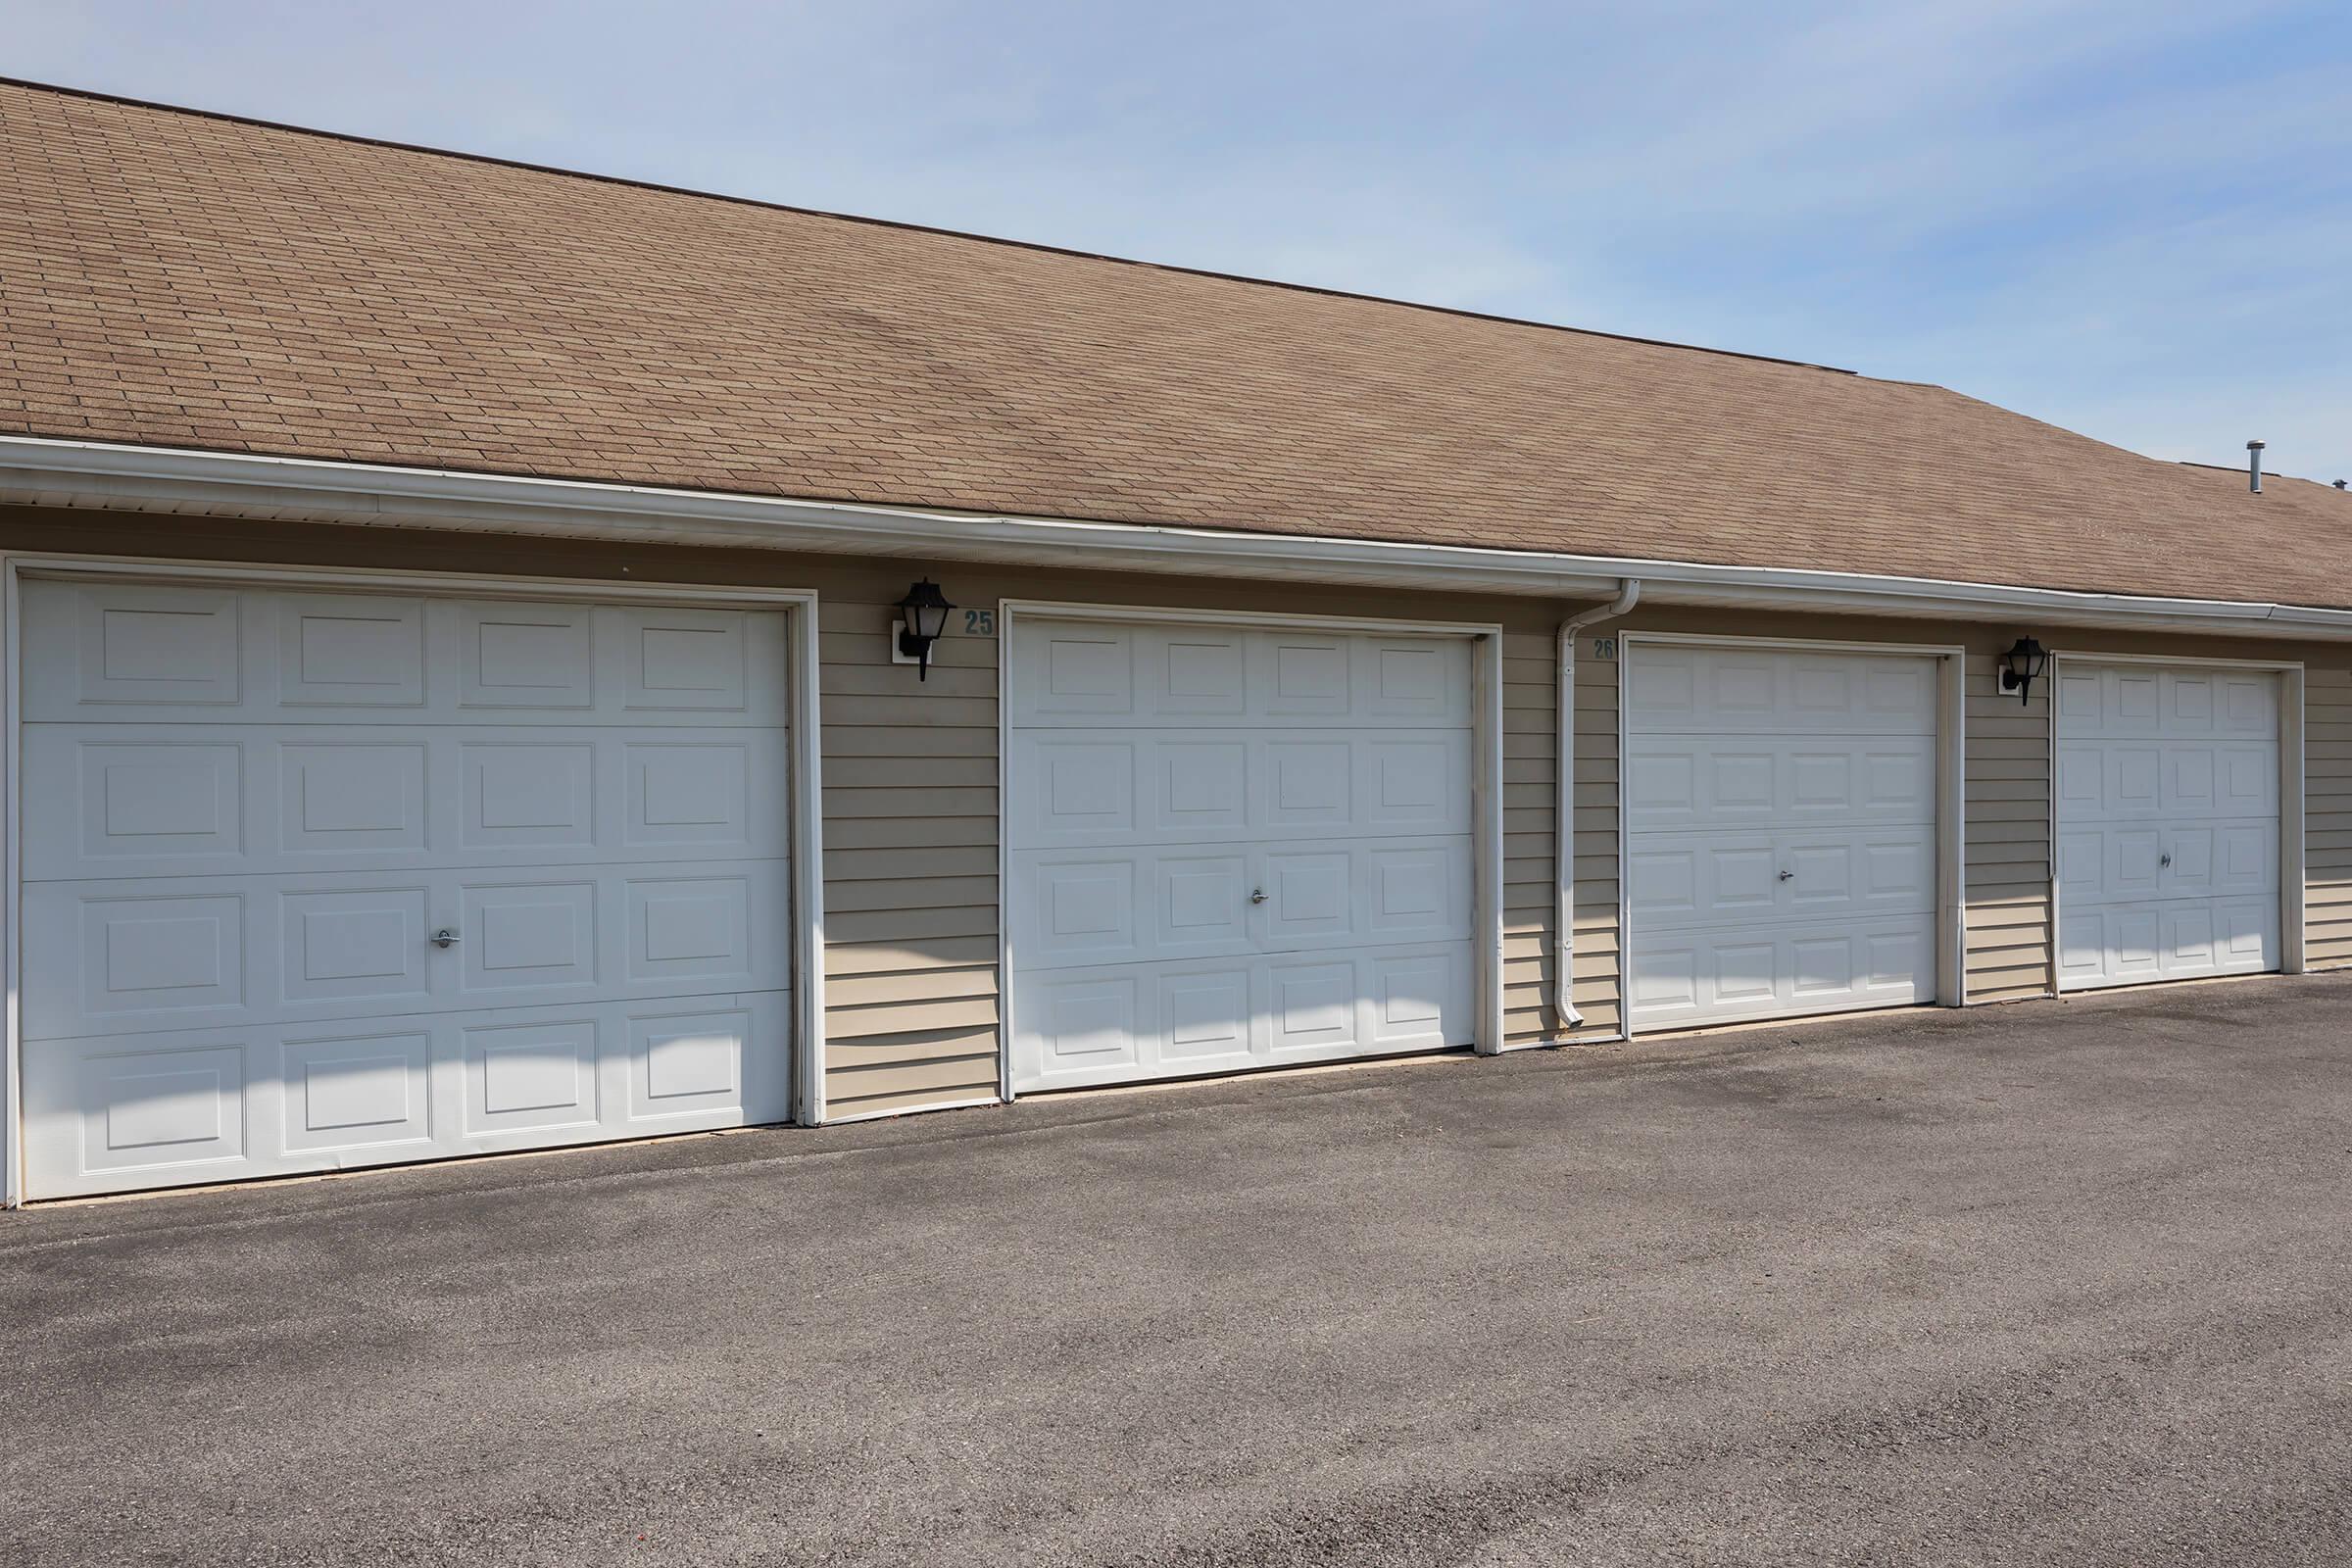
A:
183	280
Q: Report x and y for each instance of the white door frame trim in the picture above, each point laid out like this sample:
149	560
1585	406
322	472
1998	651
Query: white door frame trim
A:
1486	784
1951	796
2294	866
806	765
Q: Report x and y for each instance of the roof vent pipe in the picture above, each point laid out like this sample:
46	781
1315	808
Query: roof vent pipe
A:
1563	824
2254	466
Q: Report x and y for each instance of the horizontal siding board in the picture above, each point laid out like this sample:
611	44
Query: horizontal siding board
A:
870	865
2024	828
1992	947
920	771
838	683
2008	865
881	957
2008	770
908	1017
838	1107
872	649
2010	747
906	894
942	983
912	710
908	832
908	921
932	802
937	740
974	1074
911	1045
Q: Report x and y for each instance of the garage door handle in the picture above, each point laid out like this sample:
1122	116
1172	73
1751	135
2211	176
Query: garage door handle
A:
446	938
1258	894
2163	859
1785	875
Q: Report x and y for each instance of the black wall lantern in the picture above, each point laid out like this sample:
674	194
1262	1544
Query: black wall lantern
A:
922	620
2022	665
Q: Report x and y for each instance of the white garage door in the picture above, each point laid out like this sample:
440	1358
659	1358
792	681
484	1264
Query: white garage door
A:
2168	823
247	812
1779	812
1235	847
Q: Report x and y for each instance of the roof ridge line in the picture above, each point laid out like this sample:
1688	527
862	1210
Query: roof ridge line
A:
98	96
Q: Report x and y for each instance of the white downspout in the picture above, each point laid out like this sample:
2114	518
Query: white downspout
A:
1629	592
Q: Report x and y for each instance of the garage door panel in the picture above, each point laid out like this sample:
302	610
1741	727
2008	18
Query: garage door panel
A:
187	801
1204	1018
212	1104
2124	944
2127	863
2161	703
1704	976
1068	674
1224	784
1310	896
526	655
116	957
1416	892
201	655
1084	910
348	1091
1093	908
1724	878
2105	779
1694	781
1199	786
350	650
1706	690
1171	1019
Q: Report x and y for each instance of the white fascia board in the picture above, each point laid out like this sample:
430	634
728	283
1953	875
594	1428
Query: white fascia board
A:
43	471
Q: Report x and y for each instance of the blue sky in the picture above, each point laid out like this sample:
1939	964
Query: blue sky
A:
2131	218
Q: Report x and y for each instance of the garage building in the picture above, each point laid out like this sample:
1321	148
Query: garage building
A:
500	658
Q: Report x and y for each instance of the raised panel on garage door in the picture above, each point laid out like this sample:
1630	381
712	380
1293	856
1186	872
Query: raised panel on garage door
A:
1235	846
2168	823
1780	831
251	813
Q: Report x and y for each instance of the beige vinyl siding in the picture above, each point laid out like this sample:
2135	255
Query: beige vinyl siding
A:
2327	819
2006	790
1530	869
1530	873
910	867
1595	937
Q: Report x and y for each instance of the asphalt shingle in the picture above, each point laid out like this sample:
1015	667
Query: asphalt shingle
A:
179	279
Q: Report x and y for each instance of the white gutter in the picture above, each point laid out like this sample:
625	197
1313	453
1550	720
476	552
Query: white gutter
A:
1563	823
41	471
